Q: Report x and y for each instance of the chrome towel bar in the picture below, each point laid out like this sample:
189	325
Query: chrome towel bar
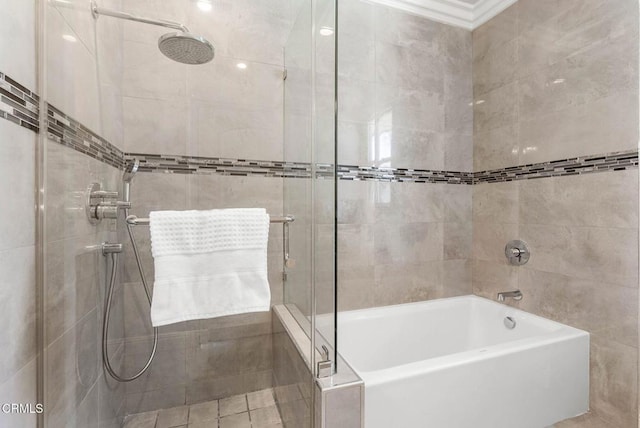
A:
138	221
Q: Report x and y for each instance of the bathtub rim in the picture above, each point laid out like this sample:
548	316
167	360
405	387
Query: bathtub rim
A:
561	333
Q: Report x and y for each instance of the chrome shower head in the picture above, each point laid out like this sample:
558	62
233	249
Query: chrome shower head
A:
182	46
186	48
129	171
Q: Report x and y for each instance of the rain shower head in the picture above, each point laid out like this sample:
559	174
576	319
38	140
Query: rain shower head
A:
182	46
186	48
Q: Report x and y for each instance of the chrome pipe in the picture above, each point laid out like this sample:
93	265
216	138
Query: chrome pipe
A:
97	11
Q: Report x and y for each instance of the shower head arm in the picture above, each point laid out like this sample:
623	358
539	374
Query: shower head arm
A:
97	11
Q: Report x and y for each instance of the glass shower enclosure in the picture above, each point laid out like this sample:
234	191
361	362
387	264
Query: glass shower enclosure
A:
206	137
309	152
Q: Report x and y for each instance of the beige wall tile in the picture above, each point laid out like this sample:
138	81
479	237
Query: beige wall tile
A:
604	309
155	125
343	407
495	32
496	202
356	287
597	200
398	203
497	68
489	278
496	148
17	182
72	370
407	282
614	388
18	37
20	388
408	243
73	280
602	126
157	399
606	254
576	93
457	241
168	368
489	240
496	109
18	310
71	73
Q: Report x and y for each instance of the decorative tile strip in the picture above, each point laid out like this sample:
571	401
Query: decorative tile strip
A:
618	161
360	173
243	167
65	130
205	165
18	104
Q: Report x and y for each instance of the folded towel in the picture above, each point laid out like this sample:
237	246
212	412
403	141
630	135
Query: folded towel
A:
209	263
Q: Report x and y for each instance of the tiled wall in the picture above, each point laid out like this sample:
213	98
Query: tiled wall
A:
292	379
208	359
404	102
17	221
213	110
552	80
82	58
556	80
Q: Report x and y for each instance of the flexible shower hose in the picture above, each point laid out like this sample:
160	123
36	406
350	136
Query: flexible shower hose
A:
107	311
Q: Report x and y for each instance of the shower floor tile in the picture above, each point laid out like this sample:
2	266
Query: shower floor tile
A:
252	410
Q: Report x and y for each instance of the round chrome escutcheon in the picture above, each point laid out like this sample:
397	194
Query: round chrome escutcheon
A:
510	323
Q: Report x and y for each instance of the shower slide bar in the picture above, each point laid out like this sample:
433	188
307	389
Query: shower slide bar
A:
137	221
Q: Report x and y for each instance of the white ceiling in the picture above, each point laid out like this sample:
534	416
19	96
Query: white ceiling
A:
469	14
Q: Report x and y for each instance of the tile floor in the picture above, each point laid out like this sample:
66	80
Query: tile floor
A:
252	410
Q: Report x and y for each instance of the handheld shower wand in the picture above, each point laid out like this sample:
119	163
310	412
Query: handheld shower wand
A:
129	172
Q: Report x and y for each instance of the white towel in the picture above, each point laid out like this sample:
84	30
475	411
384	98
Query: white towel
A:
209	263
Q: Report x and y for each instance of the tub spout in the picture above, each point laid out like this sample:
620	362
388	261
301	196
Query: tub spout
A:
515	295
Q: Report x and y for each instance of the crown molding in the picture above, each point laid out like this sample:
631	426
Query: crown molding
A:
452	12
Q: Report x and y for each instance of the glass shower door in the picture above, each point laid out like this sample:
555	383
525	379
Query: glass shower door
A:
309	185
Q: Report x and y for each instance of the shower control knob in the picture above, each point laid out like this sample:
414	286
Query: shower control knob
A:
517	252
100	204
106	211
103	194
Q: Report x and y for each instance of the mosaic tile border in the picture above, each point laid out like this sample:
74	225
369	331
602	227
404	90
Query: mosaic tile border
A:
67	131
206	165
618	161
245	168
360	173
241	167
18	104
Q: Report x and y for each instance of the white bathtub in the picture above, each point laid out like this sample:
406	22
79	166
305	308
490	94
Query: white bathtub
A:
452	363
